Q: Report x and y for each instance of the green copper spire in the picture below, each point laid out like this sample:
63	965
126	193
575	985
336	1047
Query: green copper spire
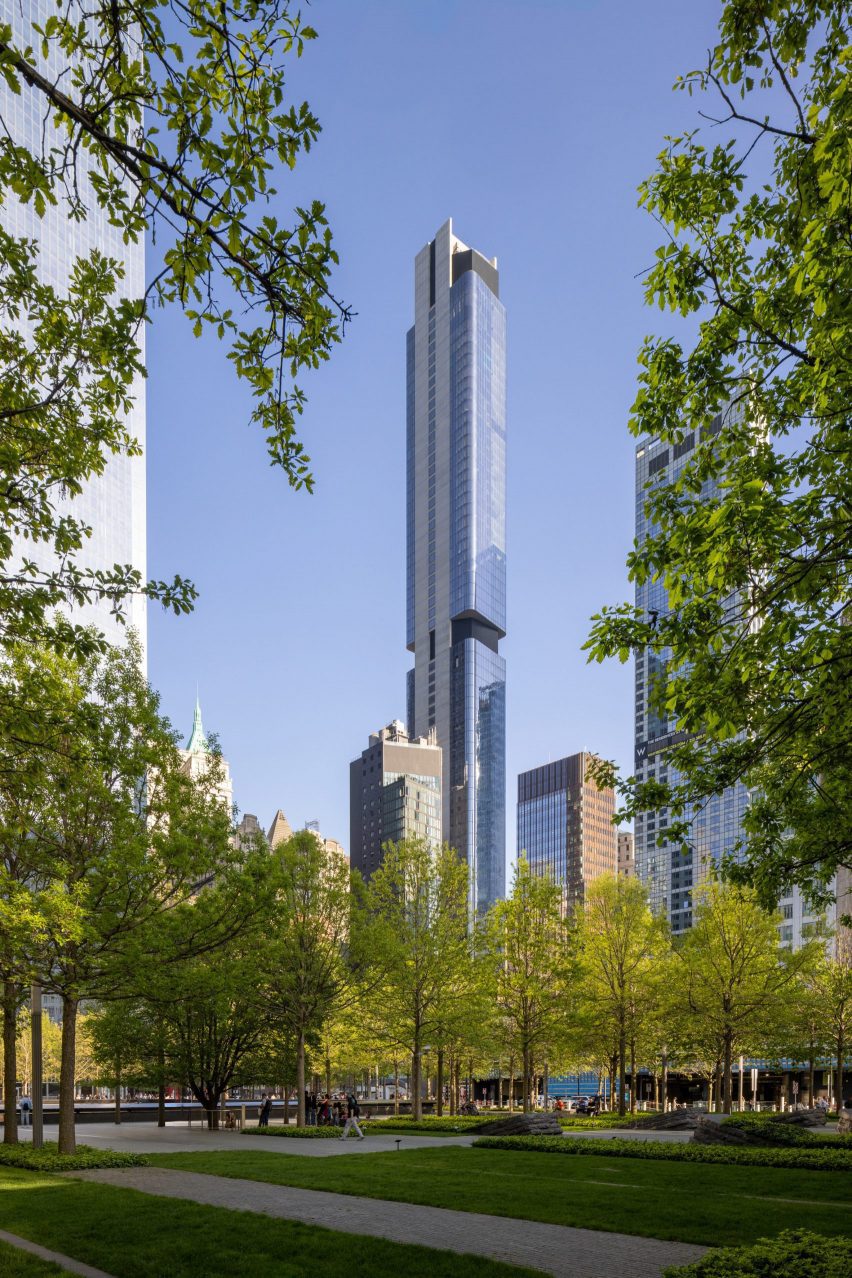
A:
197	743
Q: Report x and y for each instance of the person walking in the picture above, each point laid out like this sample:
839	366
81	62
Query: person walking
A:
265	1110
311	1109
26	1111
353	1113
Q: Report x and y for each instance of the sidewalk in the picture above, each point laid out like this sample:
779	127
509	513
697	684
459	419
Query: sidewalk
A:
554	1249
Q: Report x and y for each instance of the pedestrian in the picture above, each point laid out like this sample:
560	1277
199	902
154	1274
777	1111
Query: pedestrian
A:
338	1111
26	1110
311	1109
325	1110
353	1113
265	1110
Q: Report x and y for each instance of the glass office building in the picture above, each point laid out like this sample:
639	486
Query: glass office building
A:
456	545
671	871
113	504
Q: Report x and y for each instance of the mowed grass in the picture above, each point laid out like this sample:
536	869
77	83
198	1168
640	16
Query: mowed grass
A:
135	1235
18	1264
701	1203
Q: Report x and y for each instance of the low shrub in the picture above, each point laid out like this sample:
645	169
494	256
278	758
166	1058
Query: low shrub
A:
793	1254
811	1159
773	1132
49	1159
447	1124
287	1129
575	1121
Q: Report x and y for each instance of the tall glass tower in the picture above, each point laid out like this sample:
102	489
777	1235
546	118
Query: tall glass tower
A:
669	870
456	545
113	504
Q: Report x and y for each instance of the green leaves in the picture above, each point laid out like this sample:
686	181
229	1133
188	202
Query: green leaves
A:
751	539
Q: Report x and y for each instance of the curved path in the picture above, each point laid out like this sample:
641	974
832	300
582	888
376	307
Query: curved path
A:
554	1249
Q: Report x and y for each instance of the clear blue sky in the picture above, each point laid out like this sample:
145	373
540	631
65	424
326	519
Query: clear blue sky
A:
531	125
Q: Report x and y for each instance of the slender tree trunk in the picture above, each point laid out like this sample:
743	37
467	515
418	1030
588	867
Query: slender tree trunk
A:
457	1084
439	1085
511	1084
525	1081
665	1079
396	1087
727	1075
811	1076
838	1090
622	1052
10	1062
161	1085
300	1079
328	1075
633	1075
67	1136
613	1071
117	1109
499	1084
416	1101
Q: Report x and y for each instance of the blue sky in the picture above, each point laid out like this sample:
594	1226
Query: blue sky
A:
531	125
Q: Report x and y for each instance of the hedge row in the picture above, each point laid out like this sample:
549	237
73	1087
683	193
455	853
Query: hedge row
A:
774	1132
48	1158
793	1254
287	1129
570	1121
431	1124
810	1159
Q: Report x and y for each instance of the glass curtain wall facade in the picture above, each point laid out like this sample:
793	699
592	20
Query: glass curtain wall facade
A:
456	545
113	504
671	872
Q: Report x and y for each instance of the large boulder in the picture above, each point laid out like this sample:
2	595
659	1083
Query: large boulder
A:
801	1118
844	1121
522	1125
676	1120
709	1133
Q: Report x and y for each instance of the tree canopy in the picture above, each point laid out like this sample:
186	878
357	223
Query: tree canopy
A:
752	539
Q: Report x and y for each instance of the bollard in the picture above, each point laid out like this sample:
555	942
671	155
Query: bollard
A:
242	1118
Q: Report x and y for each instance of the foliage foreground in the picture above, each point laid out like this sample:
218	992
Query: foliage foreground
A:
681	1202
824	1158
49	1159
142	1236
793	1254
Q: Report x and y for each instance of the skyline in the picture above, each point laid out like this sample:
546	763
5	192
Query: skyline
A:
312	588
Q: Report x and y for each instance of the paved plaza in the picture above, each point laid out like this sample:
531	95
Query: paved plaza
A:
554	1249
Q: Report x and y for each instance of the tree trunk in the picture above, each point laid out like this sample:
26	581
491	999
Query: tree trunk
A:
439	1084
664	1082
811	1077
285	1092
727	1076
457	1083
300	1079
511	1101
10	1071
838	1090
161	1086
622	1052
416	1101
67	1136
525	1081
633	1075
117	1109
328	1075
499	1084
396	1087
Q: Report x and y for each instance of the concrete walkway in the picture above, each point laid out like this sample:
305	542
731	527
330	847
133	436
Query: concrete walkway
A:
44	1253
553	1249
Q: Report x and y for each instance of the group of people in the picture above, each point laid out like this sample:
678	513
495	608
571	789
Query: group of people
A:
339	1109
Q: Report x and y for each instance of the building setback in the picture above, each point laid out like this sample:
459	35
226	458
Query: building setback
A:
565	825
456	545
394	793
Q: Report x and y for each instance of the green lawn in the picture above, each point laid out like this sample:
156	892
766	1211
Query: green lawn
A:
17	1264
692	1202
135	1235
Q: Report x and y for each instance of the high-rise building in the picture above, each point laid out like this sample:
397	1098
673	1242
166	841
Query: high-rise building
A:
197	756
671	871
626	857
280	830
456	545
565	825
394	793
112	504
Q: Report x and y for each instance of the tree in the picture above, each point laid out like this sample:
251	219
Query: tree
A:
752	541
832	980
735	975
620	943
417	930
119	839
172	121
307	972
530	947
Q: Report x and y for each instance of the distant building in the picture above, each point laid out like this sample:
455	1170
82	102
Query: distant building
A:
197	756
456	546
280	830
626	859
565	825
247	831
394	793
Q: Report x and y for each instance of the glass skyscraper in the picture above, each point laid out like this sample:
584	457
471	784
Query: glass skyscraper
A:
456	545
113	505
671	871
